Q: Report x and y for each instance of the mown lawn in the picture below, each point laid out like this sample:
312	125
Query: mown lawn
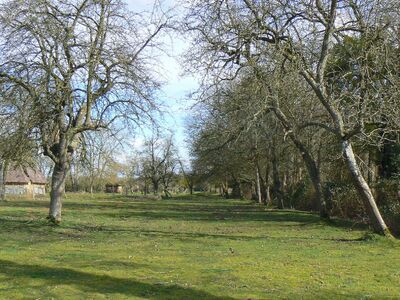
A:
115	247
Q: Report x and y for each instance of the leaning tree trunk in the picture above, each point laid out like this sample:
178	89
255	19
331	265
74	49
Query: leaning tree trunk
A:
57	191
315	176
311	165
378	224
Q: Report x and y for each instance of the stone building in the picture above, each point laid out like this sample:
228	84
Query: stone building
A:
25	181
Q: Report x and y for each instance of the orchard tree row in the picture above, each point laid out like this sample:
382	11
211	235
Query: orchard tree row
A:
300	98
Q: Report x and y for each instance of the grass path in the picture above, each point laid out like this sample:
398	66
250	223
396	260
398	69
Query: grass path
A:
114	247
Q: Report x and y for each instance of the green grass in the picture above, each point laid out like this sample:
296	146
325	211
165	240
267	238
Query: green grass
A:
115	247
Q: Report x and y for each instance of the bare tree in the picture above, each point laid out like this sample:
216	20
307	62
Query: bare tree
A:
158	160
189	176
98	154
168	170
83	65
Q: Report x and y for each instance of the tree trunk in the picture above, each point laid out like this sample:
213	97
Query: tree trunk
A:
191	189
225	193
311	165
267	195
267	185
155	187
3	174
57	190
167	193
319	195
315	176
260	200
277	185
91	185
377	222
236	191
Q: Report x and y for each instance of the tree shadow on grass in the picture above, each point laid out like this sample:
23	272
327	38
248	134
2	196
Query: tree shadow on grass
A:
186	210
41	233
195	236
284	217
104	284
182	211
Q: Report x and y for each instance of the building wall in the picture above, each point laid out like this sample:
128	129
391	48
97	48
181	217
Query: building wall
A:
25	189
16	189
39	189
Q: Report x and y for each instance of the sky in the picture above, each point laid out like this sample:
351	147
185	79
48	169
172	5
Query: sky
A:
176	86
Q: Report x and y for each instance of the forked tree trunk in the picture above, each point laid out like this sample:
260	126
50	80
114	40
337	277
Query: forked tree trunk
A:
375	217
57	191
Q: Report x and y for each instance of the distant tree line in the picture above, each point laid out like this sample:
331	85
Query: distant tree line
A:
153	168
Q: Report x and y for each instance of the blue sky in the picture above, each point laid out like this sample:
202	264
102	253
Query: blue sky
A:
174	91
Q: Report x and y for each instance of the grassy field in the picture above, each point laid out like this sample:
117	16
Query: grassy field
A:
115	247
